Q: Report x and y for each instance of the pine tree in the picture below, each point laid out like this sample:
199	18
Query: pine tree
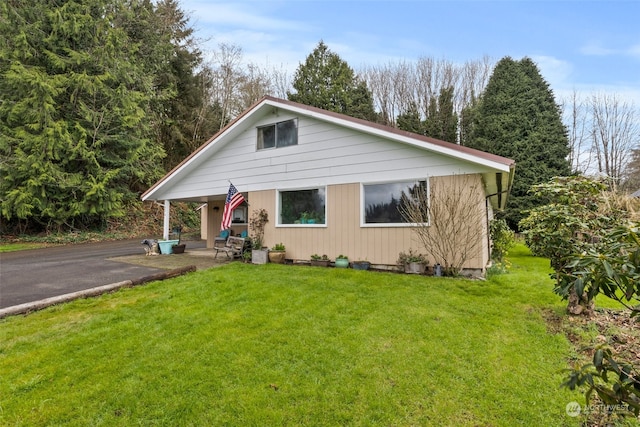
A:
326	81
442	121
74	136
410	120
517	117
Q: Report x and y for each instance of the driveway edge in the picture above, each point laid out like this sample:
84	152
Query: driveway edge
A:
29	307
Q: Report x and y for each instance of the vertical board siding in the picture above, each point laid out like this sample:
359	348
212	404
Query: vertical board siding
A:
344	235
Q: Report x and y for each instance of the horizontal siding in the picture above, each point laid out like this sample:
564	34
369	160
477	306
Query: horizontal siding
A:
325	155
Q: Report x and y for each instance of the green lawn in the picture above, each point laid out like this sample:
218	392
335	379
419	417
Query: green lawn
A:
252	345
12	247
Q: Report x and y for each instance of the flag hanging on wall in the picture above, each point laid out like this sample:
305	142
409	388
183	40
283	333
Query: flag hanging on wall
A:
234	199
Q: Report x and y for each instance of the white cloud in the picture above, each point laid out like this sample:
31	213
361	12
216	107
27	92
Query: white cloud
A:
555	71
635	51
596	49
237	14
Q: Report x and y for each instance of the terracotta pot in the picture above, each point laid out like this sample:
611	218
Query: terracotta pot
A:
276	257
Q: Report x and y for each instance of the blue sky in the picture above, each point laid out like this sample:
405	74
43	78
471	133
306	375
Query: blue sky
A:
589	46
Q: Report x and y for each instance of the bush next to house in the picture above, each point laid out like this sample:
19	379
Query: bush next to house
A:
502	239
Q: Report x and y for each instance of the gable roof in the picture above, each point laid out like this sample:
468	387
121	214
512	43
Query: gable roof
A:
498	163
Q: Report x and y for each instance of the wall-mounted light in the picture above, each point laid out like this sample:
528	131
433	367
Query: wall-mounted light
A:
216	208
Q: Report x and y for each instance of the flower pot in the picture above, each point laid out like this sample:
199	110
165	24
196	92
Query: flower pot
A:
276	257
179	249
415	268
342	263
166	246
259	256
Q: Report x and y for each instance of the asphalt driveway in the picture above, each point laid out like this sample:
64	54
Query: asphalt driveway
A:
31	275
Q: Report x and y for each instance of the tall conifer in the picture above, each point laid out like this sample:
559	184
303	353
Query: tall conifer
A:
517	117
328	82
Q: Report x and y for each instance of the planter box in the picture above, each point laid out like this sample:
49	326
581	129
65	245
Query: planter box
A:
179	249
361	265
276	257
320	262
259	256
166	246
415	268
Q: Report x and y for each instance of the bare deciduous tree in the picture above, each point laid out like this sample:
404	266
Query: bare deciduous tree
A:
574	110
448	219
615	133
398	88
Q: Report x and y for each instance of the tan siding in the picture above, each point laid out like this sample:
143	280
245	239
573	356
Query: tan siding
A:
343	234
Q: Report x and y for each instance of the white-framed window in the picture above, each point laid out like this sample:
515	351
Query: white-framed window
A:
306	207
381	202
281	134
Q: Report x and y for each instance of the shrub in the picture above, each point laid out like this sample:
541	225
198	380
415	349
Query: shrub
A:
502	239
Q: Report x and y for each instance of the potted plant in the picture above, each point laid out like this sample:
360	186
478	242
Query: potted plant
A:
320	261
304	217
277	253
257	222
179	247
361	265
342	261
412	262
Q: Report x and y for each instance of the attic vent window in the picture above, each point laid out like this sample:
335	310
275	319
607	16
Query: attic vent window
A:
278	135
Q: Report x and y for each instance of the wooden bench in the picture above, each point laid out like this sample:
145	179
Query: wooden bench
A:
233	247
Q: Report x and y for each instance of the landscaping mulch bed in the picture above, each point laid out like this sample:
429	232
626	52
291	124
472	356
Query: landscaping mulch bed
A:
614	328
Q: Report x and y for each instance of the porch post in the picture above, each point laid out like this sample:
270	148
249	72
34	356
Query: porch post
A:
167	211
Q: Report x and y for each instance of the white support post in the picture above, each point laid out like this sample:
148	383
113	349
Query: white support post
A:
167	210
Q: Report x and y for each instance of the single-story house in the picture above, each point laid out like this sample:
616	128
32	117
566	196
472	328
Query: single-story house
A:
329	182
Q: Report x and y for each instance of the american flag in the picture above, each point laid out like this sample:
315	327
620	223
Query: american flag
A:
234	199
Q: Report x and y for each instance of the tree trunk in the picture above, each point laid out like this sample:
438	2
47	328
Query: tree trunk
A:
579	305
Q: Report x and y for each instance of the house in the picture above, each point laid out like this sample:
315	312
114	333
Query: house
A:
328	181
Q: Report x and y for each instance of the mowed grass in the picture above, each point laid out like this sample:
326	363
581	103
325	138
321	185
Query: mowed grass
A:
247	345
12	247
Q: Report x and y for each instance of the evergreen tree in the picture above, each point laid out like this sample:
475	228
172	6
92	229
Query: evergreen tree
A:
517	117
74	136
410	120
326	81
442	121
182	117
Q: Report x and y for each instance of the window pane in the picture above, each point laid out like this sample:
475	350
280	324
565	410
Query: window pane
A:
287	133
382	201
302	206
267	137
